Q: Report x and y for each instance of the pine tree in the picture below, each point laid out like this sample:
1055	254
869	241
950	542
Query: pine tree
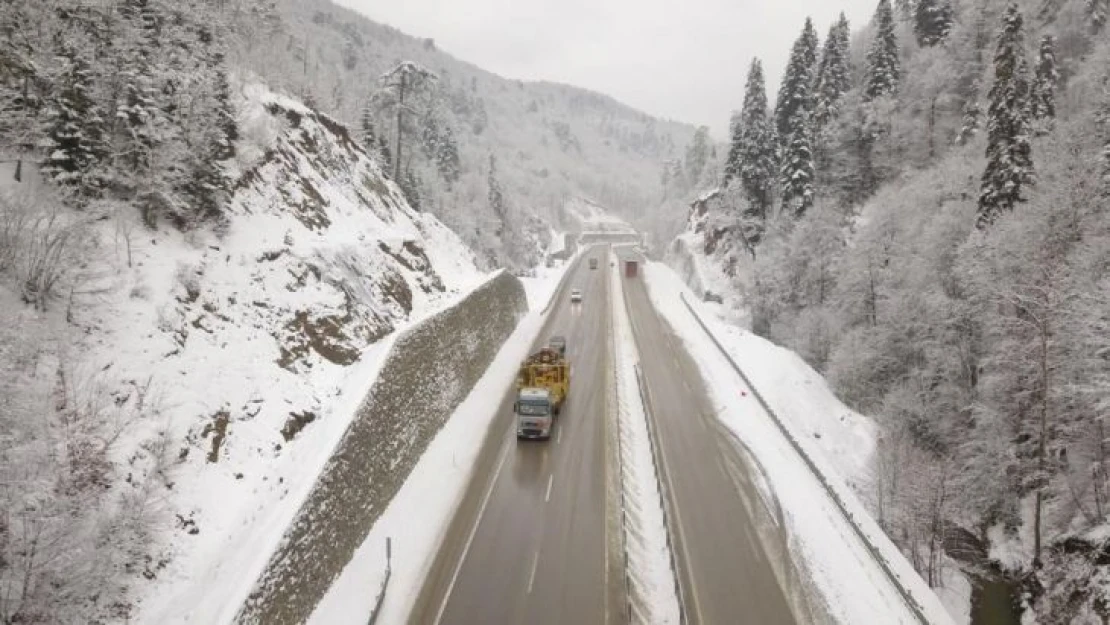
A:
796	90
756	145
74	127
1044	85
932	21
410	187
387	157
138	114
368	133
497	199
1009	153
406	82
697	155
797	173
734	160
833	74
971	123
447	156
225	111
883	67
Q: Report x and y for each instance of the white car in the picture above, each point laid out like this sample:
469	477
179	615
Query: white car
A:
576	295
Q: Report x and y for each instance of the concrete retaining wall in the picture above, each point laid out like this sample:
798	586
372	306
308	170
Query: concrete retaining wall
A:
427	374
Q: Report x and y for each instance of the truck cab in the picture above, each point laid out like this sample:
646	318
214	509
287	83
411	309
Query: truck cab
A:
534	414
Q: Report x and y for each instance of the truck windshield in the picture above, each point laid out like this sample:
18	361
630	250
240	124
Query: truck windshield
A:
536	409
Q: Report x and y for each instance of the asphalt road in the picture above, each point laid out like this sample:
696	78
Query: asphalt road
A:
535	539
726	534
530	542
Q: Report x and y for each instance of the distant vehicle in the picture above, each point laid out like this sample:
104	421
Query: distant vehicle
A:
558	343
542	382
576	295
593	263
630	268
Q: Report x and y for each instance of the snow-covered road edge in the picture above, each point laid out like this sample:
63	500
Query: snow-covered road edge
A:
825	518
417	518
654	593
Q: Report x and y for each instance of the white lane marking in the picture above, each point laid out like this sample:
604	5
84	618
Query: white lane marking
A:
532	577
550	481
559	436
473	531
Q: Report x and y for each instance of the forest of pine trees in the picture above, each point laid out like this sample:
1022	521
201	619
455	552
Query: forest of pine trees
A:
124	101
936	244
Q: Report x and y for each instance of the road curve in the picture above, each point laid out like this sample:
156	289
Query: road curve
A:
529	542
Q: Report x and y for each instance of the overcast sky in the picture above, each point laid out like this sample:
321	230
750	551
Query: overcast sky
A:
682	59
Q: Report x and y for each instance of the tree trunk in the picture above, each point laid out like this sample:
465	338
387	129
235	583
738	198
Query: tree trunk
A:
1099	478
1042	446
400	117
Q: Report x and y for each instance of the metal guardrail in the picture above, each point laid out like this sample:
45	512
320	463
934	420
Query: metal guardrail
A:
664	489
385	582
620	466
876	554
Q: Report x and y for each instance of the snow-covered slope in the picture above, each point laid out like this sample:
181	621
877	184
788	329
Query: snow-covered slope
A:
710	253
589	216
249	349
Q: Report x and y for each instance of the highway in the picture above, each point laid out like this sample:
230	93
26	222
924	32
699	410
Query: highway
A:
536	539
723	526
533	539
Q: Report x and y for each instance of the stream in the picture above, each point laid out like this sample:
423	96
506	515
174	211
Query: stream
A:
995	601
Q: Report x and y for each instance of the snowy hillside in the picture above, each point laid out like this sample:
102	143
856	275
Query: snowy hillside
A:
550	141
211	374
590	216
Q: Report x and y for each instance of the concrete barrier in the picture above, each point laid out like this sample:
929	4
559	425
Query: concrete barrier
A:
427	374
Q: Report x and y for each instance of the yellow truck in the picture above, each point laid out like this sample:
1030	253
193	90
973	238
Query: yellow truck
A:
542	386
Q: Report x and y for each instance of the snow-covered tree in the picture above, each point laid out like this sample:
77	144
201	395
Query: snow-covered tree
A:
796	178
796	91
754	145
447	156
733	160
368	132
971	122
697	156
1009	151
410	186
140	113
932	21
496	198
74	126
1045	80
884	68
406	84
834	73
225	110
